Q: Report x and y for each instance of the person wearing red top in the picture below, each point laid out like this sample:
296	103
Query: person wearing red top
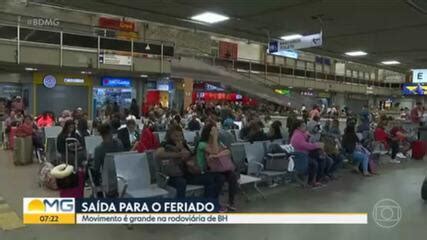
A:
381	135
26	128
389	141
147	140
398	134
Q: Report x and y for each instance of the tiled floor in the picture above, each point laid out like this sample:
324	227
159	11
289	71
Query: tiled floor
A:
352	193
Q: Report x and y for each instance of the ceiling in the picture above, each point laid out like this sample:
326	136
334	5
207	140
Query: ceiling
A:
385	29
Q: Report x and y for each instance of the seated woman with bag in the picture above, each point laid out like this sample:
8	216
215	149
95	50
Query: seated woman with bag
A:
69	131
178	163
352	147
214	158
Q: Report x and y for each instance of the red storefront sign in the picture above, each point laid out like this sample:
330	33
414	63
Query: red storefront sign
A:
117	24
227	50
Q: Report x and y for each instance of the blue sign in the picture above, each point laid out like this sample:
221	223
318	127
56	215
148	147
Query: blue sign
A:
116	82
414	89
49	81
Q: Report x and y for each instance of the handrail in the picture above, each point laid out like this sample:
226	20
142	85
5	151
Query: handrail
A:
318	75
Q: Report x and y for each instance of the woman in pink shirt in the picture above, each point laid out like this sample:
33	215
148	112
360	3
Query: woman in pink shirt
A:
299	140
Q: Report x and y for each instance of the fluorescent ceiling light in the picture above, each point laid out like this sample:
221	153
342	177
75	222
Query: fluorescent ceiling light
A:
143	75
30	69
291	37
390	62
209	17
84	72
356	53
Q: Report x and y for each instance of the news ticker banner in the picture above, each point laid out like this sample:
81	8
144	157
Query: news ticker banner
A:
163	211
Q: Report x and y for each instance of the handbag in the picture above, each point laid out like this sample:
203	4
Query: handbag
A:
171	167
72	180
221	164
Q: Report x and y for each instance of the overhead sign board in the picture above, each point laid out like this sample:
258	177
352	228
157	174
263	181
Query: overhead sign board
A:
414	89
117	24
309	41
114	59
286	53
419	75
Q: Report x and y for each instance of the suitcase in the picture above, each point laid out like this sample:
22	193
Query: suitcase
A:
418	150
11	139
76	191
23	151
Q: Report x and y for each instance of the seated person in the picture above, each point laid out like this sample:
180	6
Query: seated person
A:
194	123
181	167
108	145
333	153
398	134
313	127
69	131
255	132
299	140
381	136
128	135
275	131
351	145
209	149
147	140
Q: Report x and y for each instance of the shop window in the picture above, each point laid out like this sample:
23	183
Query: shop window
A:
7	32
31	35
80	41
113	44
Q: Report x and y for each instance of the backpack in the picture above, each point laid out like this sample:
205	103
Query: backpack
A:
45	178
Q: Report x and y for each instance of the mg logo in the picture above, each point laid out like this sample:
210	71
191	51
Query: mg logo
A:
48	205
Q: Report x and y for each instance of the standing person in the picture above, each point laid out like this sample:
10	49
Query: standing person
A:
82	130
417	113
299	141
116	108
18	104
209	149
351	145
108	145
134	108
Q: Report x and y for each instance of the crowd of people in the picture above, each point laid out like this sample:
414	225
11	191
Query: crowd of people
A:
320	149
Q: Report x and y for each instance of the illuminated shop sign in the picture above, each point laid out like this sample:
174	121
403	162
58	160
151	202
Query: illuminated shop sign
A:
116	82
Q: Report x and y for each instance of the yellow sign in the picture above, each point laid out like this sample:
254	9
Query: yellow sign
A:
64	79
49	211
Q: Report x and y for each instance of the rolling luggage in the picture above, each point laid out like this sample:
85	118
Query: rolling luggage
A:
23	151
418	150
71	186
11	139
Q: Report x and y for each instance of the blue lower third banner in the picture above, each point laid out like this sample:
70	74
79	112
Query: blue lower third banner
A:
163	211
